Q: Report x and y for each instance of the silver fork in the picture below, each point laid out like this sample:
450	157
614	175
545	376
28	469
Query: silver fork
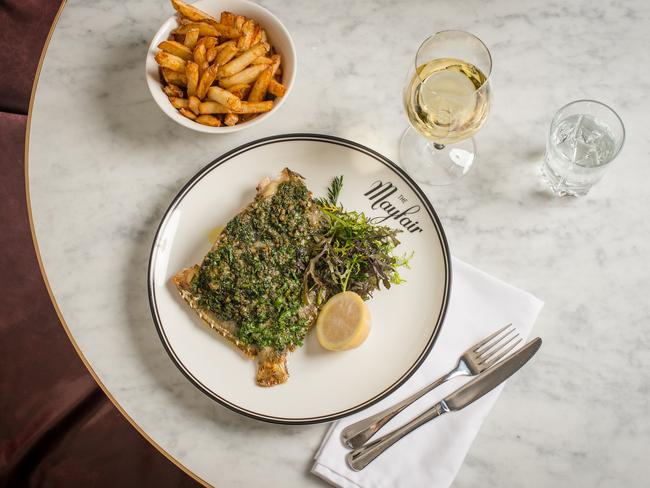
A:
475	360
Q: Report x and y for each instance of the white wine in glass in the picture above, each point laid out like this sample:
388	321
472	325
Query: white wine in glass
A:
447	99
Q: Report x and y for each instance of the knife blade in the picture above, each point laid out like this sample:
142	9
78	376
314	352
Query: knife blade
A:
459	399
491	378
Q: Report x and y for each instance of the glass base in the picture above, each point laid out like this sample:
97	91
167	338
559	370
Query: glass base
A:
434	164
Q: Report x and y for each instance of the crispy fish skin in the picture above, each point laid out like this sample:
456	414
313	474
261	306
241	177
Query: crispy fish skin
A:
272	364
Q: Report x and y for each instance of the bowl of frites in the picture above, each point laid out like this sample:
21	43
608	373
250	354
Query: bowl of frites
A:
219	66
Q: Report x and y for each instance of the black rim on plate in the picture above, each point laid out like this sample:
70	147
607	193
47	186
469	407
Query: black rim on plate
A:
286	138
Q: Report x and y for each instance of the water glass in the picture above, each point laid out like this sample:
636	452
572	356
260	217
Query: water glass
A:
585	137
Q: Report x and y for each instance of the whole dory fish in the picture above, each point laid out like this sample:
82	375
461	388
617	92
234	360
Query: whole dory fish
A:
249	286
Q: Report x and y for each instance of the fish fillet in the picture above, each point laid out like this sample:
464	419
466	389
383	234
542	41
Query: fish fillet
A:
271	362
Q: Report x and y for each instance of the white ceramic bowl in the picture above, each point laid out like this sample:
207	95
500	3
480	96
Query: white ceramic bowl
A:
279	38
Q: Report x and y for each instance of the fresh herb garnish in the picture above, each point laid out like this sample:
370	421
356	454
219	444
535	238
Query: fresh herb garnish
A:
333	193
351	255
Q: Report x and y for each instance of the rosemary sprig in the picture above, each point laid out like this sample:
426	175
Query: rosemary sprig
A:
333	192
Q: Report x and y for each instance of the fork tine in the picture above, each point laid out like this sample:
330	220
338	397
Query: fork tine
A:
496	343
476	347
494	350
492	362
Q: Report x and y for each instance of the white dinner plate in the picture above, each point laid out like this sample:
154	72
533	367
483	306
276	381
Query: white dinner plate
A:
323	385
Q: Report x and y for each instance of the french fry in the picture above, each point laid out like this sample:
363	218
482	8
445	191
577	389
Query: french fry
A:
208	76
255	108
227	18
204	29
191	38
192	73
170	61
177	49
248	75
231	119
210	120
199	55
257	36
209	42
276	63
190	12
174	77
258	92
186	112
262	60
226	44
224	97
213	108
178	102
226	54
193	104
276	88
248	31
240	90
228	31
263	36
210	54
239	22
240	62
173	91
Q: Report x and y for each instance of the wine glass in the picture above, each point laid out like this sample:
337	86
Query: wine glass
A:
447	99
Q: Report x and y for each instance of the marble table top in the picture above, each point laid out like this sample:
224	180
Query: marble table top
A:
104	163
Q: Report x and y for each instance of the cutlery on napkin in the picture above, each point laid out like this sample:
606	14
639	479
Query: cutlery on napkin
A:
434	453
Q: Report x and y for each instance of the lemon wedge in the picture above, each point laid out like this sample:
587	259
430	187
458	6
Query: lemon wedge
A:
344	322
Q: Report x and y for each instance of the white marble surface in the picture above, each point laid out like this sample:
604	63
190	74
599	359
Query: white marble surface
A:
105	162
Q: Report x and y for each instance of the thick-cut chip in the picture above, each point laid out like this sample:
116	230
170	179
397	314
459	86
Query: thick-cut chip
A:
242	90
199	55
276	88
177	49
224	97
239	22
258	92
226	54
170	61
173	91
186	112
240	62
255	108
191	38
193	105
210	120
276	63
226	44
227	18
248	31
210	54
191	12
174	77
208	76
213	108
228	31
204	29
231	119
248	75
262	60
209	42
179	102
192	73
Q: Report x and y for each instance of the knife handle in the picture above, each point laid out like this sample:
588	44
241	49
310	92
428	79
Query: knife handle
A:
360	458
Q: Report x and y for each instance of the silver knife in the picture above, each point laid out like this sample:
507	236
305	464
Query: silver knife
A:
466	394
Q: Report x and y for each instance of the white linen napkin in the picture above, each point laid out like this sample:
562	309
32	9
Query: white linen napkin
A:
432	455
